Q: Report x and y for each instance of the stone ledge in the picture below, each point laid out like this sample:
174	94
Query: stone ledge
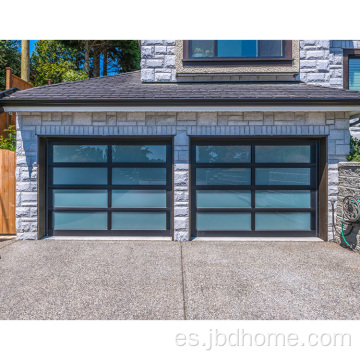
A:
349	164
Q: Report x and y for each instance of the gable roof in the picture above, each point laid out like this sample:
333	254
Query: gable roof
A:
127	89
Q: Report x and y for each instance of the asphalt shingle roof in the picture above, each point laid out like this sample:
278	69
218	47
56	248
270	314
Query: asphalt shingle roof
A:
128	86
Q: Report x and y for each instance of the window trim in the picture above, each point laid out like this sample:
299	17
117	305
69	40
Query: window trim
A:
188	61
348	53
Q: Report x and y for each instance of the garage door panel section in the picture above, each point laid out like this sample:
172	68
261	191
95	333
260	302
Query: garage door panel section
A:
109	188
254	187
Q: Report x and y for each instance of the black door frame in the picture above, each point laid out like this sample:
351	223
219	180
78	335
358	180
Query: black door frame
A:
109	165
313	187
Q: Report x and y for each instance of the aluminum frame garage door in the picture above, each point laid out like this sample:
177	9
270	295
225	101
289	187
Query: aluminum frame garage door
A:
107	188
254	188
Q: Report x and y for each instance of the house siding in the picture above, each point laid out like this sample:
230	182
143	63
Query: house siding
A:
180	125
321	63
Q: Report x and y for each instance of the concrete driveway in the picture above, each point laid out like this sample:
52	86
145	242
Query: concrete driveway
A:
51	279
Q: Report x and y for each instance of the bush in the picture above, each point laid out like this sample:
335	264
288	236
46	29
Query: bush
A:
354	154
9	142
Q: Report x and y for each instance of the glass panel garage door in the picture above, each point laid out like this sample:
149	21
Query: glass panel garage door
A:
254	188
109	188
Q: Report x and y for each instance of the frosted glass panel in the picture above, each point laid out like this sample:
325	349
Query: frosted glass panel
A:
223	198
80	220
139	221
139	198
80	153
223	221
80	198
282	198
80	176
139	153
139	176
282	221
282	154
223	154
285	176
215	176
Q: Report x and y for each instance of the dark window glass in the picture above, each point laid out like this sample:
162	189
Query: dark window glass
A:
80	153
282	154
223	154
139	153
237	48
202	48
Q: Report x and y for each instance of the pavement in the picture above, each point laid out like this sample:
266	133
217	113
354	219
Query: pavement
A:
50	279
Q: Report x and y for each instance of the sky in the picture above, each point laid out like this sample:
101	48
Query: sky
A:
32	45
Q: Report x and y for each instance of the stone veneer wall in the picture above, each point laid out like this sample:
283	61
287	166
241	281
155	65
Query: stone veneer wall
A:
181	125
321	62
349	184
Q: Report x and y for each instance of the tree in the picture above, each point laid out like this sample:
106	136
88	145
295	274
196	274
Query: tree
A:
122	56
58	61
25	60
69	60
10	56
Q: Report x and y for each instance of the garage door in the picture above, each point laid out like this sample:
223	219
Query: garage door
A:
109	188
254	188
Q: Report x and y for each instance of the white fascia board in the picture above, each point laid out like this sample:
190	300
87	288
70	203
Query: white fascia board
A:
355	109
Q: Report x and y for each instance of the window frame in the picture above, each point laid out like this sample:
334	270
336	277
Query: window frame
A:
348	53
237	61
109	165
313	187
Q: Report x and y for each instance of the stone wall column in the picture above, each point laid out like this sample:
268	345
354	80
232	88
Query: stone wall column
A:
26	177
181	186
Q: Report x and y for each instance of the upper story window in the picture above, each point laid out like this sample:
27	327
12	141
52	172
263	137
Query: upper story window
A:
236	49
237	53
352	69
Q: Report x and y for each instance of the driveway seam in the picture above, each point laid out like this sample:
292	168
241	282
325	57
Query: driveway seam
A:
183	279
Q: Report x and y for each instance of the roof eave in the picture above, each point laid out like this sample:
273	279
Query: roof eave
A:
177	102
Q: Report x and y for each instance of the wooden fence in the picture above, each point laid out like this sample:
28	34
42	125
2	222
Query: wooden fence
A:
5	120
8	163
11	81
7	192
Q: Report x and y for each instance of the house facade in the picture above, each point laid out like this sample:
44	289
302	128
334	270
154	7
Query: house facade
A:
210	140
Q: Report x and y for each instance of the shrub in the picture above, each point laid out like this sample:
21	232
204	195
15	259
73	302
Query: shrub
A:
354	154
9	142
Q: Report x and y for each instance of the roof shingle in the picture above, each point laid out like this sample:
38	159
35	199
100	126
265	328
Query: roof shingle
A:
128	86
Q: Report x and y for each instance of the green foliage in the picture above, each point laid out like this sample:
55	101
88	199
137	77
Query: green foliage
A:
63	60
74	75
124	56
354	154
53	59
9	142
10	56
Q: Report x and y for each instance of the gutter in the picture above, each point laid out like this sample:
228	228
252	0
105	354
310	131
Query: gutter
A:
5	93
8	92
182	104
